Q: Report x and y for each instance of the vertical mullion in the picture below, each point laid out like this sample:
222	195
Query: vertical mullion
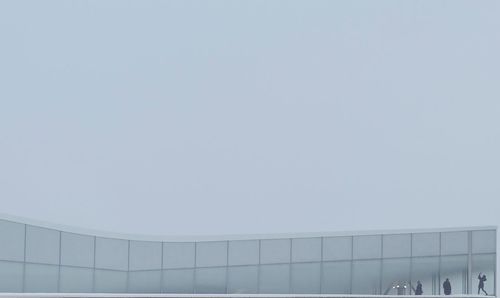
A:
381	263
258	268
321	268
24	258
410	282
59	268
94	269
469	264
439	263
161	269
352	263
495	272
193	290
128	267
227	266
290	268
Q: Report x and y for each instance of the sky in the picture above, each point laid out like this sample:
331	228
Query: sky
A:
238	117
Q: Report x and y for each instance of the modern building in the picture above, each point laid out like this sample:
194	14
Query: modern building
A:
39	257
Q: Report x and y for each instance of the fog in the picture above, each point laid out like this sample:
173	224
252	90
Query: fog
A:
235	117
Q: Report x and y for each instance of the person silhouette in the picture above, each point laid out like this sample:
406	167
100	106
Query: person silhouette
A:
447	287
480	286
418	290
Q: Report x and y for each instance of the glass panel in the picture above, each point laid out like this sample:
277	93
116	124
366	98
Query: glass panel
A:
145	255
41	278
455	268
306	278
77	250
76	280
243	280
178	281
366	277
111	254
244	252
42	245
12	241
144	281
396	276
210	280
336	278
11	277
211	254
484	241
108	281
484	265
454	243
426	270
425	244
178	255
274	279
367	247
306	250
397	246
337	248
275	251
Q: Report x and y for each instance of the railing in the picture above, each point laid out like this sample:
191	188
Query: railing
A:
129	295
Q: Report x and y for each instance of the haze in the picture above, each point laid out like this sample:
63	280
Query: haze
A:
235	117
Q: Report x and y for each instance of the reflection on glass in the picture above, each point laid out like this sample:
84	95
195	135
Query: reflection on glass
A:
274	279
12	240
76	280
11	277
42	245
144	281
396	276
362	264
336	278
306	250
425	244
210	280
77	250
111	254
484	265
243	280
484	241
210	254
366	277
41	278
426	270
337	248
455	269
243	252
178	281
367	247
306	278
397	246
145	255
108	281
454	243
178	255
275	251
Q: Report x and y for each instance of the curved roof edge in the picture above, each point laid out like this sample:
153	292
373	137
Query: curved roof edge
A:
200	238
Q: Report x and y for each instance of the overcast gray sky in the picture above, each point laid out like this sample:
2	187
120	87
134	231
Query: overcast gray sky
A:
224	117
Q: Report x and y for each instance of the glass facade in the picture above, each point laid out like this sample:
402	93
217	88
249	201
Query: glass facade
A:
38	259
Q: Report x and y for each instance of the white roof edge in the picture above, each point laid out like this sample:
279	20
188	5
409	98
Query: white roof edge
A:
194	238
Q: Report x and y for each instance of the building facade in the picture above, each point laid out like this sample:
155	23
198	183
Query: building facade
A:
45	258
